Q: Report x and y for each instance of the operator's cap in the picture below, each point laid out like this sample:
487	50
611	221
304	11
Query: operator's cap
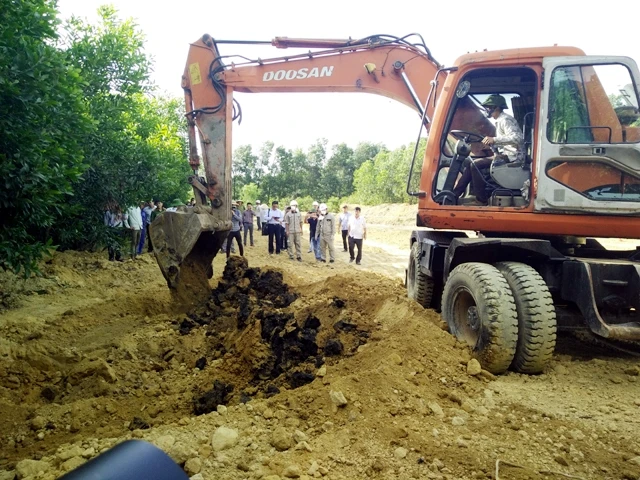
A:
293	203
323	207
315	204
257	202
234	204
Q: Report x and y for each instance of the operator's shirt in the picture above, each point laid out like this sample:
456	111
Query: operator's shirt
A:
509	138
356	227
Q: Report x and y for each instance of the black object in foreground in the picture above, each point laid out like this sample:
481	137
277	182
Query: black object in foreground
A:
129	460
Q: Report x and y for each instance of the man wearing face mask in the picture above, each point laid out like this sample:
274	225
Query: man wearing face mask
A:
325	230
507	145
293	229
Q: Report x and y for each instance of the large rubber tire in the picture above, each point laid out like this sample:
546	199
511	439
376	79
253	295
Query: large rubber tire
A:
419	286
536	317
479	308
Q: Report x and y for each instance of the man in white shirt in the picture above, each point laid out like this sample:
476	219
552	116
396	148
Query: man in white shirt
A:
274	218
343	225
133	221
357	233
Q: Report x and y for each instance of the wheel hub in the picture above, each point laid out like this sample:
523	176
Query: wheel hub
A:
473	319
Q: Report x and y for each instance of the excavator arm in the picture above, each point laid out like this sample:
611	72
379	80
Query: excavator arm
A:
186	241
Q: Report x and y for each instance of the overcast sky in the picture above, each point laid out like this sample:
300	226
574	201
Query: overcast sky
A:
450	28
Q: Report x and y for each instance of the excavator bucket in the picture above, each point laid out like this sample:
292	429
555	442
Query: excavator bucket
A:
185	243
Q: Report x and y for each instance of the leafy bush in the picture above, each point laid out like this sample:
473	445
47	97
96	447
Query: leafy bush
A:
43	121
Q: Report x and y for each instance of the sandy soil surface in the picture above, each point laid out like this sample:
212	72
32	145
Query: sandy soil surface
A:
292	370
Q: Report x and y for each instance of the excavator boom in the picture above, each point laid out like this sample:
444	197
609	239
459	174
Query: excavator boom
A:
187	240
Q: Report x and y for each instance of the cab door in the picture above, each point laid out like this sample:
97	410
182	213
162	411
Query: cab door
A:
589	136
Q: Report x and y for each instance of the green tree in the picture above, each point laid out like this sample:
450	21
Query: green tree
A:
384	179
250	193
244	168
43	121
137	150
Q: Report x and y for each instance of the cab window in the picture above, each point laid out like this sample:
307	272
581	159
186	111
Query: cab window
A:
593	104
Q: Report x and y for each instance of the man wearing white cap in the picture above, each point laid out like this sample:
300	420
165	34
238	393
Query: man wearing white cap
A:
293	229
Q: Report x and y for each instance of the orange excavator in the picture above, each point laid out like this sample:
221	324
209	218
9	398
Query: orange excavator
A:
534	265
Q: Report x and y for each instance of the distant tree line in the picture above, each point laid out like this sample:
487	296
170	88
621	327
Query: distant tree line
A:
368	174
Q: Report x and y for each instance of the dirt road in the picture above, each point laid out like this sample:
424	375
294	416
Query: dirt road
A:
94	353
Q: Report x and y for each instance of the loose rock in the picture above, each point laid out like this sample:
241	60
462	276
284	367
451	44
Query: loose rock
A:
338	398
458	421
281	439
299	436
436	409
292	471
165	442
73	463
74	451
400	452
38	423
224	438
313	468
193	466
473	367
26	468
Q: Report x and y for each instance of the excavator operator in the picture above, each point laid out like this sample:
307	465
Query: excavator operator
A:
507	145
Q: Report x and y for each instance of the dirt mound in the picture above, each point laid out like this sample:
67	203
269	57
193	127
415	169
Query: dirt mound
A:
276	336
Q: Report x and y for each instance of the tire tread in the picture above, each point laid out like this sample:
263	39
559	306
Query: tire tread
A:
536	317
501	316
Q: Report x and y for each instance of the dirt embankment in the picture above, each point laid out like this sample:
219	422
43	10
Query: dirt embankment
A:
291	370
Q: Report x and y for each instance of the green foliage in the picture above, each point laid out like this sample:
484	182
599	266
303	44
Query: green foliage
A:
43	121
384	178
250	193
79	130
137	151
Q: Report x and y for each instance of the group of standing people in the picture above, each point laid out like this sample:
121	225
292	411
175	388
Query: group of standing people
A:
134	222
285	228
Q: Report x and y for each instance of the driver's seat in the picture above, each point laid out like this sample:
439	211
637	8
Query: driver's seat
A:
504	180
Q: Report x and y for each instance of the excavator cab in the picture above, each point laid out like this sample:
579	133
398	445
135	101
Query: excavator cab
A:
503	182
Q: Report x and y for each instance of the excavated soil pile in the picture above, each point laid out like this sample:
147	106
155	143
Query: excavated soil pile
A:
272	339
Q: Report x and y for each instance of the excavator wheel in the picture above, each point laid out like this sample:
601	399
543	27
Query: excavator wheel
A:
419	286
479	308
536	317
